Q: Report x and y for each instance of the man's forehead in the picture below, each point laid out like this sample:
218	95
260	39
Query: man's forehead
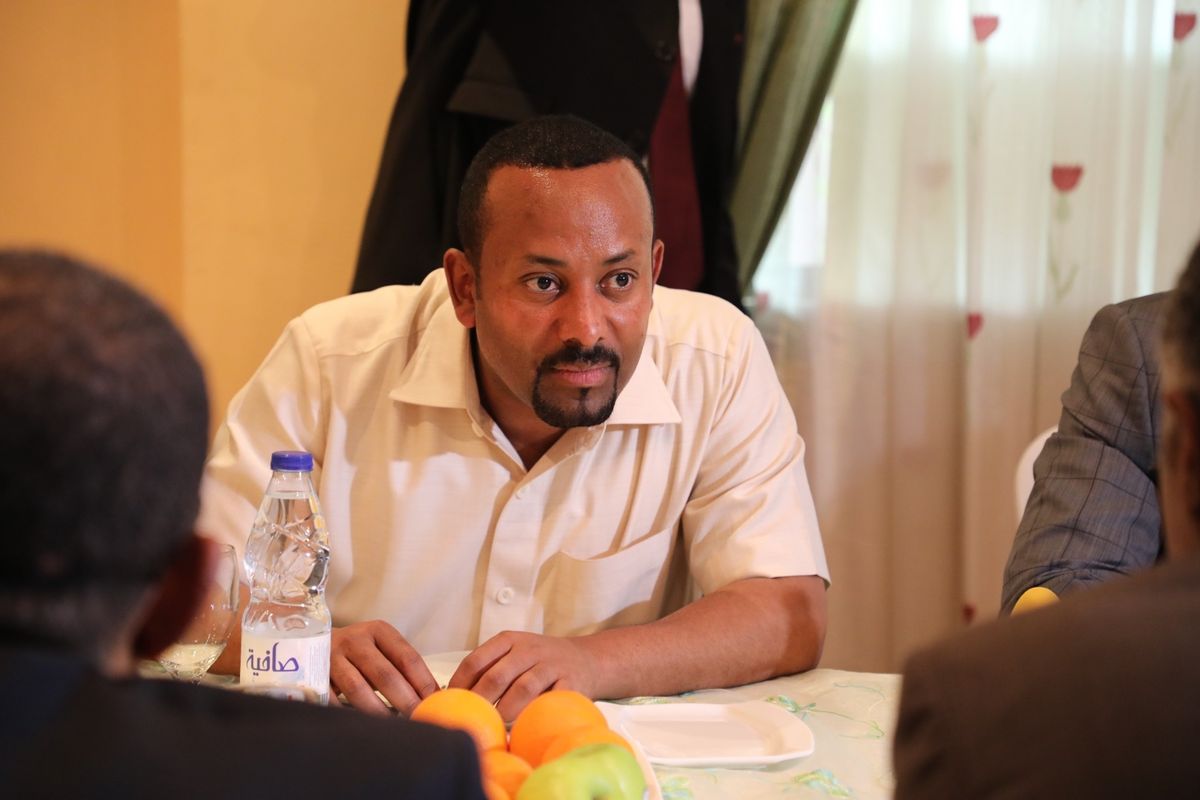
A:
518	183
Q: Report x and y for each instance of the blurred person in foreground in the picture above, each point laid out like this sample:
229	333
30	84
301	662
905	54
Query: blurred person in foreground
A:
530	454
103	425
1094	696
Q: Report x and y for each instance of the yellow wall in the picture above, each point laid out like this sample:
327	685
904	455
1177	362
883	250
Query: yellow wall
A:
218	154
89	138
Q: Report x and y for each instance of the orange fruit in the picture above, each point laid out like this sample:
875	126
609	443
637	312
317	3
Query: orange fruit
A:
505	769
466	711
494	791
546	718
592	734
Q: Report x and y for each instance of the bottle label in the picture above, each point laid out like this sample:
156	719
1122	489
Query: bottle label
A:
302	663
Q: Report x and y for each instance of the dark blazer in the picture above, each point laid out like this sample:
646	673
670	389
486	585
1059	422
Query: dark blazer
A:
1093	512
1094	697
476	66
65	731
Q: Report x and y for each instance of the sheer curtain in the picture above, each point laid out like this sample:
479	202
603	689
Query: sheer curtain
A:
985	176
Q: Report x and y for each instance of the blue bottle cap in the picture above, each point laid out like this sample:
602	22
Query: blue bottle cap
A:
291	461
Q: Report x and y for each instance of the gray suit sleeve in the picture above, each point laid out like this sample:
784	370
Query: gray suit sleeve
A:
1093	513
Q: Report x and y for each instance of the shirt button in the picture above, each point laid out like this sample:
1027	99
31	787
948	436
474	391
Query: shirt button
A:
505	595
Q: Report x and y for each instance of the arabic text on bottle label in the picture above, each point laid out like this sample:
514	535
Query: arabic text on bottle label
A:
270	661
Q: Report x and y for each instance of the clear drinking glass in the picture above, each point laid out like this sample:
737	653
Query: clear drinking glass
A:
202	642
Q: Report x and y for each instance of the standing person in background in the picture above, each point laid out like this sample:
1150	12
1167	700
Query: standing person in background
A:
662	75
1093	513
1094	696
103	426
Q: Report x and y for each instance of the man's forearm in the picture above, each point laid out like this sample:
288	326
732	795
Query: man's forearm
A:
749	631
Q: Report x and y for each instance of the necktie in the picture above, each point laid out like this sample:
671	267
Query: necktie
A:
677	201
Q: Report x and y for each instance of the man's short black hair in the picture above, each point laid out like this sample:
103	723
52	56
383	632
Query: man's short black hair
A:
103	433
560	141
1181	328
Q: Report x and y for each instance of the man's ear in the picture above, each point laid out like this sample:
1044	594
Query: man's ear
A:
656	258
461	276
177	598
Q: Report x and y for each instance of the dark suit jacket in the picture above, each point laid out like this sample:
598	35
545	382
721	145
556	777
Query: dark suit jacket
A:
475	67
1094	697
65	731
1093	513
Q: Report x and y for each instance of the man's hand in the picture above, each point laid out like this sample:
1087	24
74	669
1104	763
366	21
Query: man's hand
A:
373	655
512	668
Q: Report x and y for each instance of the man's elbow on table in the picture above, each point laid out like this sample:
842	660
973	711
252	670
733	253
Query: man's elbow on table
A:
789	617
806	637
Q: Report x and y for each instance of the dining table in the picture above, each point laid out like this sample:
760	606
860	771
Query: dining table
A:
851	716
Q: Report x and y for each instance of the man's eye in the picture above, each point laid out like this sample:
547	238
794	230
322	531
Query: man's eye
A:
543	283
620	280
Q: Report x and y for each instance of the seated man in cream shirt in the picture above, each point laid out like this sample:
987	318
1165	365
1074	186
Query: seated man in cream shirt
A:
530	454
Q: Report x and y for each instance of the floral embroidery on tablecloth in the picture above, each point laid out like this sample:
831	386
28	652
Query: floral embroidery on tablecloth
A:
676	787
825	781
870	729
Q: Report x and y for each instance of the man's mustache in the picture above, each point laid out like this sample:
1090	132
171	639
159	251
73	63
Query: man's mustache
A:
576	356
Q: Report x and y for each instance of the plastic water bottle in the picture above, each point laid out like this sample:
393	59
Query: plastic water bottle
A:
286	626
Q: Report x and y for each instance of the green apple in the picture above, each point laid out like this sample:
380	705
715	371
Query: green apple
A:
592	772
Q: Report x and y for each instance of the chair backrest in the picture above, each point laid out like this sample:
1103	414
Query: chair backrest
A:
1023	483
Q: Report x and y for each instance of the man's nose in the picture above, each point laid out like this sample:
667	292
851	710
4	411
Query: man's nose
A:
582	318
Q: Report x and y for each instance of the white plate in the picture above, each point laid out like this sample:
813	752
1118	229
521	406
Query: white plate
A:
712	734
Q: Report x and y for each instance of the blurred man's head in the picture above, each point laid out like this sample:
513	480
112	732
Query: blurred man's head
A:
1179	450
557	274
103	431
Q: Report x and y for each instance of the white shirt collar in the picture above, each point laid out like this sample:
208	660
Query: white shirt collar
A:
441	374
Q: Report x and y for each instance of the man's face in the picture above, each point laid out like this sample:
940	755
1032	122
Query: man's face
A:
562	296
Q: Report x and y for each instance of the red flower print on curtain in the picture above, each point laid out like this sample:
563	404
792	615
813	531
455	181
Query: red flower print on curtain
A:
1065	178
985	25
1181	85
974	324
1184	24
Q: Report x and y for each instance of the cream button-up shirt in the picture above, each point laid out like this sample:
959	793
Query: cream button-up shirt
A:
696	480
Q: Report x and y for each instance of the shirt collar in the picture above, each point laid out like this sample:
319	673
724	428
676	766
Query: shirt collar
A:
441	374
645	399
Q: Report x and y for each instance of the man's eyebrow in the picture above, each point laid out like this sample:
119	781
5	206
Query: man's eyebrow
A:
550	261
545	261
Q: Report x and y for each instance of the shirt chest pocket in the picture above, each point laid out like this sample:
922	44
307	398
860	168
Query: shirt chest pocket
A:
639	583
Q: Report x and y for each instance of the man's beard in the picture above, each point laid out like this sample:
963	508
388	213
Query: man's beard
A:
575	413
